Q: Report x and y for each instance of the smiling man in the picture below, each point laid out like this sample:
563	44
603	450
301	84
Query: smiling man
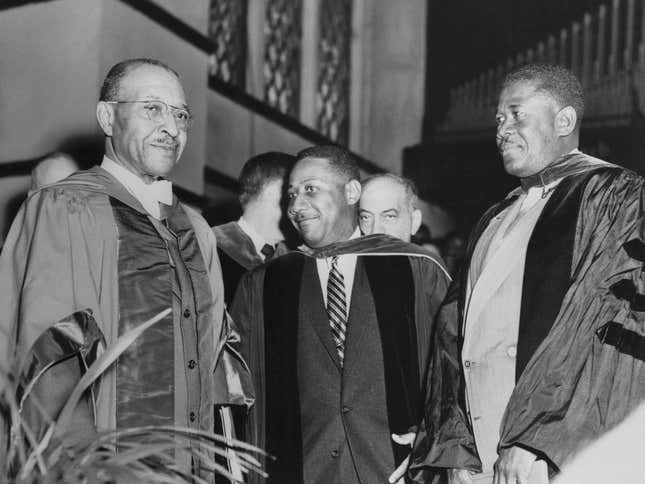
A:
106	249
538	336
338	338
389	206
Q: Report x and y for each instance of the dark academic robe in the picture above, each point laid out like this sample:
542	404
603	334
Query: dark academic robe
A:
580	365
82	264
324	423
237	255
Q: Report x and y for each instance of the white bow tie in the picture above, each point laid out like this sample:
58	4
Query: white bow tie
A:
153	193
160	190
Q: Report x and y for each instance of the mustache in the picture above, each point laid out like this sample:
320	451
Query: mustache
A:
501	140
168	142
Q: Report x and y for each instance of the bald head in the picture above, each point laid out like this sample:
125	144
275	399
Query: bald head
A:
51	169
388	205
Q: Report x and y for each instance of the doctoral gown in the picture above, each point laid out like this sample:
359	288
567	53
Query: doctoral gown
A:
581	345
325	422
82	263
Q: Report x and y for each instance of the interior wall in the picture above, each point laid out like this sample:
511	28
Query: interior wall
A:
49	74
235	134
391	69
13	190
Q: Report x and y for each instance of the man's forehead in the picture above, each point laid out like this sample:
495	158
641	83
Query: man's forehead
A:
383	194
384	188
522	91
311	169
153	82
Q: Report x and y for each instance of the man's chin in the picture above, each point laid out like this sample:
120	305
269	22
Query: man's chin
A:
161	167
512	165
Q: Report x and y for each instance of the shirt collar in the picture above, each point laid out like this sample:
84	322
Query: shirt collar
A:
256	238
149	195
550	174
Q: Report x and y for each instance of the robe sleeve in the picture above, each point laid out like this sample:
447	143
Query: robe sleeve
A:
45	320
247	312
444	439
588	374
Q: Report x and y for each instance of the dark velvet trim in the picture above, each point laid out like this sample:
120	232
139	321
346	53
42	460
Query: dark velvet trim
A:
624	340
395	310
283	431
232	272
145	384
547	271
625	289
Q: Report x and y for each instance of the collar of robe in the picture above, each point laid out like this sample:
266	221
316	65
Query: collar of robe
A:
560	168
569	164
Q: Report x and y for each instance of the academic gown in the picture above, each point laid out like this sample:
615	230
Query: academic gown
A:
580	361
237	255
82	263
324	423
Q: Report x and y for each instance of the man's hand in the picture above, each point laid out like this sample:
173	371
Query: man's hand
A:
459	476
398	476
513	466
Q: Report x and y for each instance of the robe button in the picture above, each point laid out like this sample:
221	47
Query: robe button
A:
192	416
511	351
467	363
191	364
186	313
334	453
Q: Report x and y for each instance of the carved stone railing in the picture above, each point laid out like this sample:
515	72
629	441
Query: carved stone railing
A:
606	50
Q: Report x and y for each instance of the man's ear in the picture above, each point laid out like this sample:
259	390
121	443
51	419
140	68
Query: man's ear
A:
565	121
105	117
352	192
416	221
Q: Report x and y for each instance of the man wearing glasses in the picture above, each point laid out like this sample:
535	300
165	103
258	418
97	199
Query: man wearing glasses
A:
95	255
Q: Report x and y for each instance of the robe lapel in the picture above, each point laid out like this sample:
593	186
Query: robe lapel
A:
357	329
312	309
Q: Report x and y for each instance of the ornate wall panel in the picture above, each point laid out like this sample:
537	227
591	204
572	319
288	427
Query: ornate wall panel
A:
283	34
332	100
227	29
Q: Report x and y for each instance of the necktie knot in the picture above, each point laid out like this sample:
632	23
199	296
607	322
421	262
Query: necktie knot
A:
268	251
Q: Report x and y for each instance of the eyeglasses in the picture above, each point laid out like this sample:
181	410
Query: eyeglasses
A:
157	112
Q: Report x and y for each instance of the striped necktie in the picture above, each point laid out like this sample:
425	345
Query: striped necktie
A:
337	308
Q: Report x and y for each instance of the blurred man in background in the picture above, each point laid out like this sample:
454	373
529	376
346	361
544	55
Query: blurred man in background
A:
389	205
257	236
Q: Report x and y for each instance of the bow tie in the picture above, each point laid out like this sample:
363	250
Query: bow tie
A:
151	194
160	191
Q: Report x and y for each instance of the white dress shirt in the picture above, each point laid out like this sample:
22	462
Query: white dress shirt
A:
346	266
148	194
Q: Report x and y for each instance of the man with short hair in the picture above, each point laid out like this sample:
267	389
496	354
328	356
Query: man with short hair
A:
338	338
537	340
389	205
257	236
91	257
